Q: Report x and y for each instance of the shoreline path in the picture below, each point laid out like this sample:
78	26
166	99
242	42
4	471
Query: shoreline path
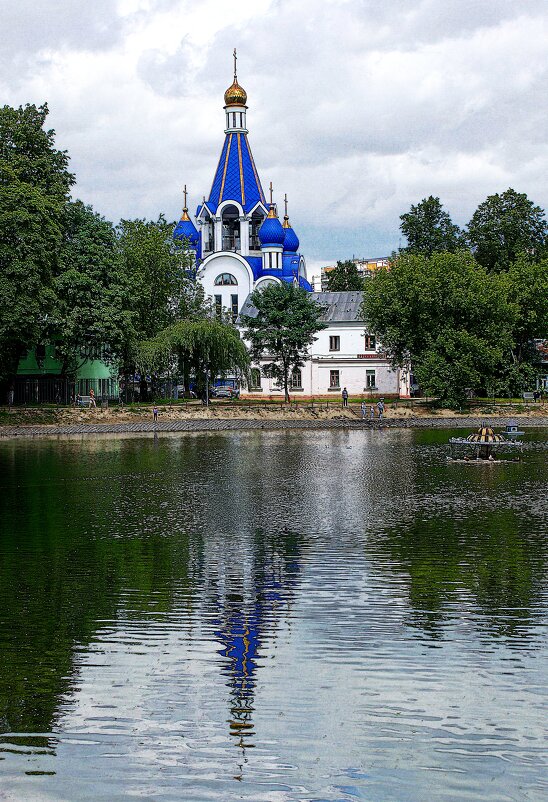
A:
238	424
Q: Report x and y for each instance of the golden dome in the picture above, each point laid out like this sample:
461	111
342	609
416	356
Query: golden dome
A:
235	95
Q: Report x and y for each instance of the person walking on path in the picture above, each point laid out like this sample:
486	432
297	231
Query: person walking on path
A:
371	413
380	408
345	397
155	414
92	402
363	409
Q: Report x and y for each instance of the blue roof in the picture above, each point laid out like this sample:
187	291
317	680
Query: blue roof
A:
291	241
290	269
290	264
271	232
185	229
256	264
236	177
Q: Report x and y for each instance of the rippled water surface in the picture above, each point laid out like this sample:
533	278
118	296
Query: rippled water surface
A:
281	616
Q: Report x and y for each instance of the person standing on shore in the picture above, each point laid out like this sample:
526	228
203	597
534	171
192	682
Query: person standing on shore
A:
363	409
371	412
345	397
380	408
155	414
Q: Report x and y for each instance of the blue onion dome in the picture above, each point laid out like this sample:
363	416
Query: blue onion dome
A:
185	229
271	232
291	241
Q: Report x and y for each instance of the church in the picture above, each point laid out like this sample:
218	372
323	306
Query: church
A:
239	241
240	244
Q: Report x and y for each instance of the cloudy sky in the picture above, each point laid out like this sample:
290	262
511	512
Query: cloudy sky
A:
357	108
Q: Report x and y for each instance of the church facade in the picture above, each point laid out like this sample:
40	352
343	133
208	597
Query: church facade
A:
240	244
238	240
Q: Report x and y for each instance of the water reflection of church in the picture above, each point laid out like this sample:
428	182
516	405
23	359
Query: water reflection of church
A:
250	612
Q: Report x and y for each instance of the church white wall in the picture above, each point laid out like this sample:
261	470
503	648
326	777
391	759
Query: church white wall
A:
226	263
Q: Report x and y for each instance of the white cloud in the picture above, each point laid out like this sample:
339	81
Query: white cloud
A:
356	109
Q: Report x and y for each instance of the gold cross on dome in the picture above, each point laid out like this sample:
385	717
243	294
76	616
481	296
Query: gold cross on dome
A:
235	59
271	190
285	201
185	193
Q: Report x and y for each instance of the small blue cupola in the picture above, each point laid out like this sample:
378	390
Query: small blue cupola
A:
185	228
271	232
271	236
291	240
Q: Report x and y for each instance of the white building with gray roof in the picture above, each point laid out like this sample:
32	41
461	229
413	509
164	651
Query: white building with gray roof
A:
343	355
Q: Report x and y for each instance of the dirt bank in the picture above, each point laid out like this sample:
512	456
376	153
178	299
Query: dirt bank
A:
222	418
66	416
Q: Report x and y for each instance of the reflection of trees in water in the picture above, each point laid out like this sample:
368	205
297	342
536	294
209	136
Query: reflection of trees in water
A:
489	561
61	591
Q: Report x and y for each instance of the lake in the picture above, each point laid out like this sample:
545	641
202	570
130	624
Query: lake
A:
281	616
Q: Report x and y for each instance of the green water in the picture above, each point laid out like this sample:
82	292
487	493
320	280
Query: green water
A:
280	616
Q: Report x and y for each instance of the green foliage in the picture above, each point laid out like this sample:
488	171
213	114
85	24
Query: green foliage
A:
345	277
446	316
156	271
505	226
28	152
453	361
159	276
528	289
287	320
429	229
92	315
34	186
196	346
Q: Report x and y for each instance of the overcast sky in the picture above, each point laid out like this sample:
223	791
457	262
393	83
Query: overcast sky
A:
357	108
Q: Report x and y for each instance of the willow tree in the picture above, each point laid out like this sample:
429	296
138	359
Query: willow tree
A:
204	348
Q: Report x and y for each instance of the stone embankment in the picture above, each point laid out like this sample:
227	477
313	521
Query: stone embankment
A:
238	424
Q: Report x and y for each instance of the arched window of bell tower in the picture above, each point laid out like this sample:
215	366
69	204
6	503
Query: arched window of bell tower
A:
231	228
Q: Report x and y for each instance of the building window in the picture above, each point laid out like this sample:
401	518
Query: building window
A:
370	342
370	380
218	306
234	119
296	379
225	279
335	343
255	379
241	119
334	379
234	307
270	261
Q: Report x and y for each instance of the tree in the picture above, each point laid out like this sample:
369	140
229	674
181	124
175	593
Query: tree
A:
34	187
429	229
161	285
527	290
282	329
505	226
344	277
446	317
92	316
206	348
157	272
